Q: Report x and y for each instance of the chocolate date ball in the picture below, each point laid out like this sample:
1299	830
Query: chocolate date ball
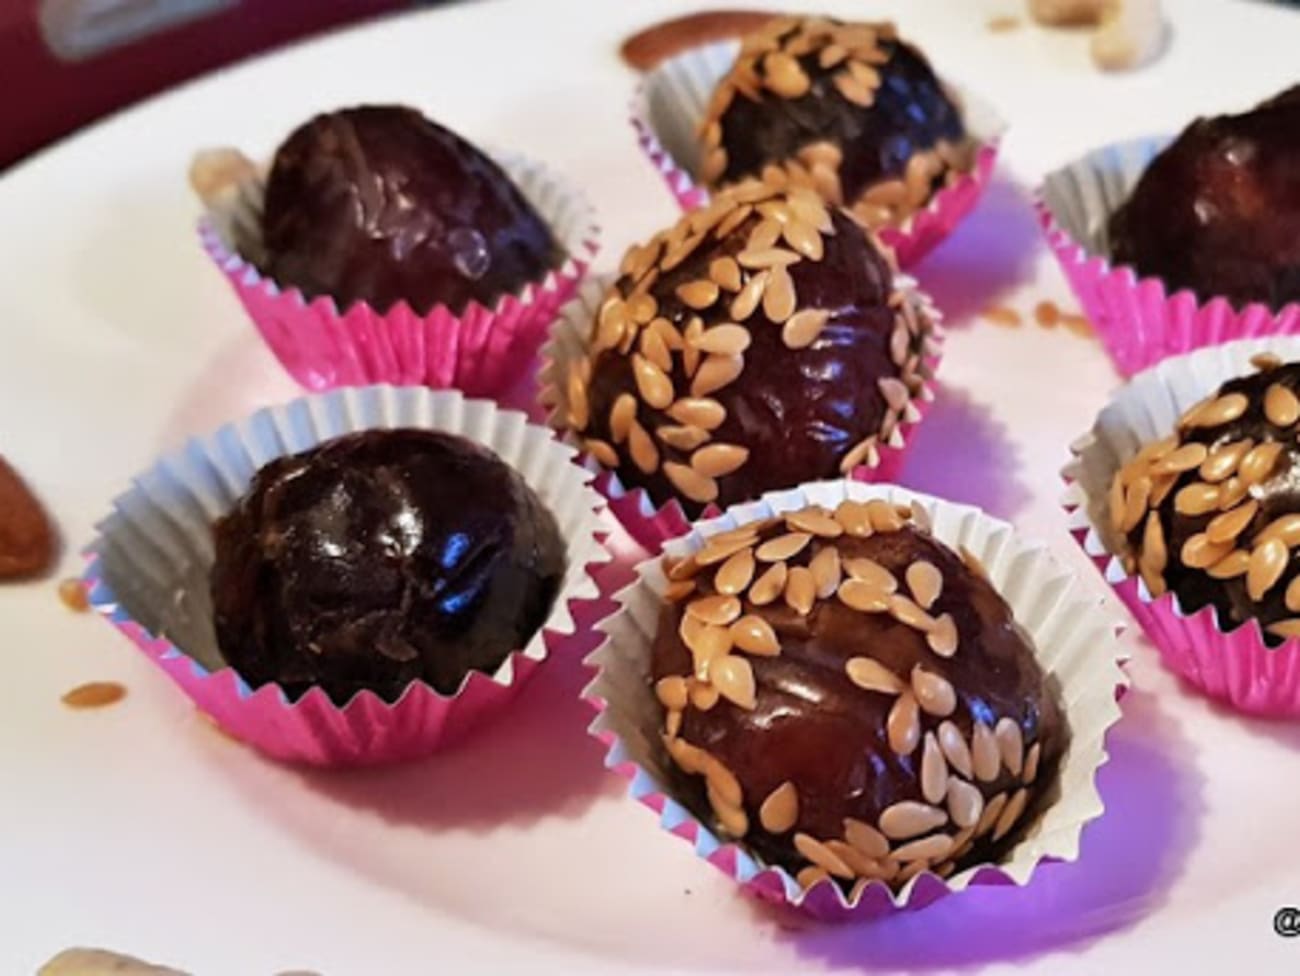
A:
1218	211
382	558
849	109
846	697
1212	512
756	344
378	204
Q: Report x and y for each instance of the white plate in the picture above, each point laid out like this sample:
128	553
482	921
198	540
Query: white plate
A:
140	828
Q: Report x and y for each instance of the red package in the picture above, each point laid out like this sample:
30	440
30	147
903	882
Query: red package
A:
89	57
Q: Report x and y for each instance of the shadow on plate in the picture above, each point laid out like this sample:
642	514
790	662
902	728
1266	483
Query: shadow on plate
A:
522	823
240	378
1283	731
214	398
536	761
991	253
1129	859
960	435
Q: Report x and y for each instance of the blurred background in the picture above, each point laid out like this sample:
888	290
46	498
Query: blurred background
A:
64	63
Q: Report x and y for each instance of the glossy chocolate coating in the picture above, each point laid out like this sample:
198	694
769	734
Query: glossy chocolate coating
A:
382	558
797	411
911	112
1218	211
812	726
378	204
1278	494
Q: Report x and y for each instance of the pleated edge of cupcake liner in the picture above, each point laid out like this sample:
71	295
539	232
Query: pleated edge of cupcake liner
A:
1134	349
578	588
581	245
826	900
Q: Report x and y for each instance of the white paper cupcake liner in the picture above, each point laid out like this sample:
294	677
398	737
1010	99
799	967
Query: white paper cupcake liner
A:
478	350
1139	320
667	107
149	567
1235	667
1073	637
652	525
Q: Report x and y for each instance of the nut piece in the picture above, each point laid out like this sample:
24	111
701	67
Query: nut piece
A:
754	635
695	486
89	962
94	694
780	810
903	726
736	573
1057	13
925	581
26	537
870	675
802	328
214	173
1132	33
934	693
909	818
734	677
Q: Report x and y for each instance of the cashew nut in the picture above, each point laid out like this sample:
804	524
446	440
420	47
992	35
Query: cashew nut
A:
1132	33
1056	13
213	172
99	962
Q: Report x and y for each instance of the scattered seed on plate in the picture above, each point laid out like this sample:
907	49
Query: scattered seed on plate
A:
94	694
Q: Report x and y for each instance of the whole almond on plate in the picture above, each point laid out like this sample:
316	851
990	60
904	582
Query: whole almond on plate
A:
26	536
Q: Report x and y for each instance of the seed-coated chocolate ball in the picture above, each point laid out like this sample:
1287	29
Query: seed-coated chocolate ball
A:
849	109
846	696
1212	512
757	344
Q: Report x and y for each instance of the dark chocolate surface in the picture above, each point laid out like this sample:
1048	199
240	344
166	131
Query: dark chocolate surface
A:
1218	211
911	112
812	726
381	558
381	205
798	411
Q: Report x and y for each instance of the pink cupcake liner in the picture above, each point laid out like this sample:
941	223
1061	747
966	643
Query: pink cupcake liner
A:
148	569
1234	667
673	97
650	525
481	351
1074	641
1138	320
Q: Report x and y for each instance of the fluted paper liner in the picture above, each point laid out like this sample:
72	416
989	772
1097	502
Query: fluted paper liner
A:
481	351
1236	666
1138	320
649	525
148	573
670	102
1073	640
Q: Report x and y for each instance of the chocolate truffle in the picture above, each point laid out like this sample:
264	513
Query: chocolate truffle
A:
1218	211
1212	512
848	109
756	344
378	204
846	696
382	558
